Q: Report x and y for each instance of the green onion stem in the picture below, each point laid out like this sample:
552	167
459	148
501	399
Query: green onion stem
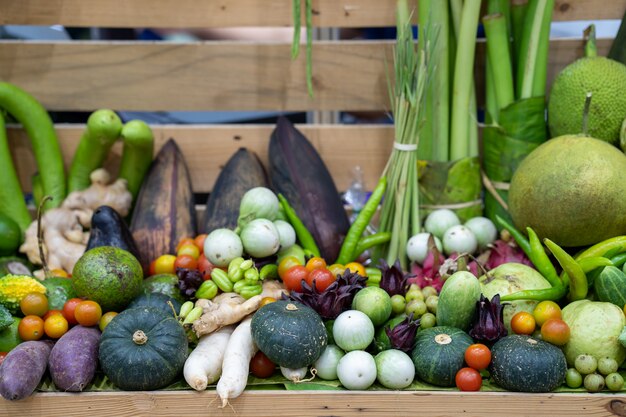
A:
518	16
499	60
463	76
541	64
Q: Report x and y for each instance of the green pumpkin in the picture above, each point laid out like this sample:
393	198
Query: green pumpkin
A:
291	334
525	364
439	353
142	349
158	301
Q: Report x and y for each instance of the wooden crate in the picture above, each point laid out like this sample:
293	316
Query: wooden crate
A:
220	75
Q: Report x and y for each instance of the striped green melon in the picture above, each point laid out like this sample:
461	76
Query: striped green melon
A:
610	286
457	300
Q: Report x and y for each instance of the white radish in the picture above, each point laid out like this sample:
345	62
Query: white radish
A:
204	364
294	375
236	365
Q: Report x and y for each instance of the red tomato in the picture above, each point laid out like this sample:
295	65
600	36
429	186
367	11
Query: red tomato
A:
152	269
68	310
322	277
199	241
185	261
261	366
286	263
2	356
468	379
294	276
205	267
478	356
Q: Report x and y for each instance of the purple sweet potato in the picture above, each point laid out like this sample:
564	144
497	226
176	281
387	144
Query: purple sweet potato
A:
74	358
22	369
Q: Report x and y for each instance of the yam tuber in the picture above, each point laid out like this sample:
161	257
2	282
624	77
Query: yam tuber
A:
65	237
229	308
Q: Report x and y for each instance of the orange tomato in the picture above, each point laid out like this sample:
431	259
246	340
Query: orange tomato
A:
478	356
191	250
185	261
555	331
30	328
315	263
199	241
337	269
68	310
545	311
55	326
51	313
59	273
286	263
184	241
468	379
151	269
164	264
88	313
34	303
266	300
523	323
106	319
356	268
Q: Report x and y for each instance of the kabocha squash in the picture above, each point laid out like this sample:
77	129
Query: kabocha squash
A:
525	364
439	354
610	286
158	301
291	334
142	349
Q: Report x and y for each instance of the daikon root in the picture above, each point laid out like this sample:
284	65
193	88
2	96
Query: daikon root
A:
294	375
236	365
204	364
64	227
230	308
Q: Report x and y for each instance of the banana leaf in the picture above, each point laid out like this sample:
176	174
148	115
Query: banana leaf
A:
455	185
522	127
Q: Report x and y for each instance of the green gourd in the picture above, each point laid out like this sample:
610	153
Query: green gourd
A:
610	286
457	300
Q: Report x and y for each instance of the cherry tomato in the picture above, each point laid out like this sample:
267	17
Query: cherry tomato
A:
261	366
294	276
266	300
545	311
468	379
106	319
357	268
151	269
2	356
164	264
30	328
322	278
190	249
34	303
51	313
477	356
523	323
88	313
185	261
315	263
555	331
184	241
68	310
286	263
55	326
59	273
205	267
337	269
199	241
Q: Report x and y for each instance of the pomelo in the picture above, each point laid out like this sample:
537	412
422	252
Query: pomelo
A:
572	190
110	276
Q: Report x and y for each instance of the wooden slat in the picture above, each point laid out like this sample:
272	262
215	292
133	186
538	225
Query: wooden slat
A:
228	13
315	403
207	148
212	75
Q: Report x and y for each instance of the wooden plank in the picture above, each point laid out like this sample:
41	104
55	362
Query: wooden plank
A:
207	148
315	403
205	76
228	13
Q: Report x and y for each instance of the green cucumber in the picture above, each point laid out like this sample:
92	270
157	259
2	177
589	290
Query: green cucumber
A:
137	154
457	300
40	130
102	130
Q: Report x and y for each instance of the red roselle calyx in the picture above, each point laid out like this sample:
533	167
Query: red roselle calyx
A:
489	325
402	336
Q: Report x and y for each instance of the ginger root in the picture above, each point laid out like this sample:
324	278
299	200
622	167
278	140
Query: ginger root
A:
229	308
64	234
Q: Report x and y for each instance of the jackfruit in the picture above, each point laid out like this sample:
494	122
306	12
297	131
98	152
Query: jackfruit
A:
605	79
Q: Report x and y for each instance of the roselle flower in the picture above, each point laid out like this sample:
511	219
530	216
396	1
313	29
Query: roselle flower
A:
393	279
189	280
489	327
402	336
335	299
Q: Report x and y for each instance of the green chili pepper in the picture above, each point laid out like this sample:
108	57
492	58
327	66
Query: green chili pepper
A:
349	245
619	260
221	280
239	286
250	291
578	285
555	293
268	271
369	241
589	264
207	290
612	246
304	236
519	237
540	259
